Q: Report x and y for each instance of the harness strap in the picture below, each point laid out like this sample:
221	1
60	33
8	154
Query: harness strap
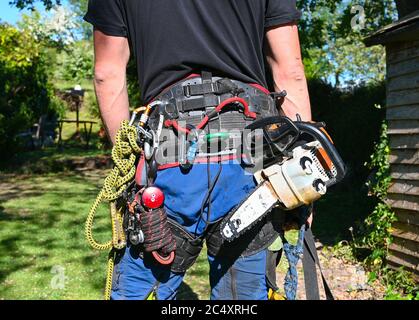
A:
219	87
187	248
310	260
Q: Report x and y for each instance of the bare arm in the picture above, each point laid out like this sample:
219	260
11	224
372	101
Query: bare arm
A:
111	59
284	57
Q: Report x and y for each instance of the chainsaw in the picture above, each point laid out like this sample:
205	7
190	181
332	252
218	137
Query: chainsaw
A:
300	163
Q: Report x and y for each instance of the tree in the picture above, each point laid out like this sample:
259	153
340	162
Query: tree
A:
21	4
332	39
58	28
26	92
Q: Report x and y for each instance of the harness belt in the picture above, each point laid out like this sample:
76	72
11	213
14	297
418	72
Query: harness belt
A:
204	116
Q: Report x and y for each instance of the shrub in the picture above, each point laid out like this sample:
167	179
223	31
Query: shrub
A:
353	119
25	93
76	62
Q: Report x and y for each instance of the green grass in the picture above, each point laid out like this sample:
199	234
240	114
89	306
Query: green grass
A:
48	160
42	221
42	228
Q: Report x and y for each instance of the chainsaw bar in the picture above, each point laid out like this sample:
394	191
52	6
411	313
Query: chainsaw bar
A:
248	213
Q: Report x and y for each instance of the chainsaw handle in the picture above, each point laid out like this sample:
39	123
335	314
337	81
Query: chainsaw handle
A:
262	124
314	131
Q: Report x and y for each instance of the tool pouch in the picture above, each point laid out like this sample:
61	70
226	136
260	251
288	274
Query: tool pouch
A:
188	248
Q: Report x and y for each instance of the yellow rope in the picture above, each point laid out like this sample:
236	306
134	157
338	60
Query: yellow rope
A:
109	272
124	154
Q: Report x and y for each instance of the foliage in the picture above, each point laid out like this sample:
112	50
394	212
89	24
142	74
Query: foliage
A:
399	284
380	164
332	40
375	234
377	230
57	28
133	85
343	111
21	4
25	90
76	62
80	8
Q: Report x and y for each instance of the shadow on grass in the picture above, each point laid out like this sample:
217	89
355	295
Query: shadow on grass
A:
51	159
186	293
39	231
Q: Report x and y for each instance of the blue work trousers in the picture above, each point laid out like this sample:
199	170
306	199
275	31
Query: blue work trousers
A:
135	278
185	195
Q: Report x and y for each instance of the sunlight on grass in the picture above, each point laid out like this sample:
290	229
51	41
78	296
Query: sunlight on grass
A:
44	229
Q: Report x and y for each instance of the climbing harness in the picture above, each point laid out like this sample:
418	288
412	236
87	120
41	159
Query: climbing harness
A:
204	116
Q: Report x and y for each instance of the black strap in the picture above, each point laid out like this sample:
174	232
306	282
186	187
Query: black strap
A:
208	86
198	103
310	260
272	261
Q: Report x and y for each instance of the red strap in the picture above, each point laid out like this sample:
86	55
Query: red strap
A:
259	87
139	171
213	159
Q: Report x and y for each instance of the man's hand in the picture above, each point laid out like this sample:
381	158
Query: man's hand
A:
284	57
111	59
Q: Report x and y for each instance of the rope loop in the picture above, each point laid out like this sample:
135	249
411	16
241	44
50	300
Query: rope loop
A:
124	155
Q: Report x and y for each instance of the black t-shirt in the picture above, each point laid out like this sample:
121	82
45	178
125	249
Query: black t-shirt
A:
172	39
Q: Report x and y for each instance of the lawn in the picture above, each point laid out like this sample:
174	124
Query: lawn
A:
42	237
42	221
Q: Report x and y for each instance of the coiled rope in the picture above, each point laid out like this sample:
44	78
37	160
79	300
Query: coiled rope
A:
157	233
124	155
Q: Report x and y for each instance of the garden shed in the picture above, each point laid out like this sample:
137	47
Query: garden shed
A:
401	40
